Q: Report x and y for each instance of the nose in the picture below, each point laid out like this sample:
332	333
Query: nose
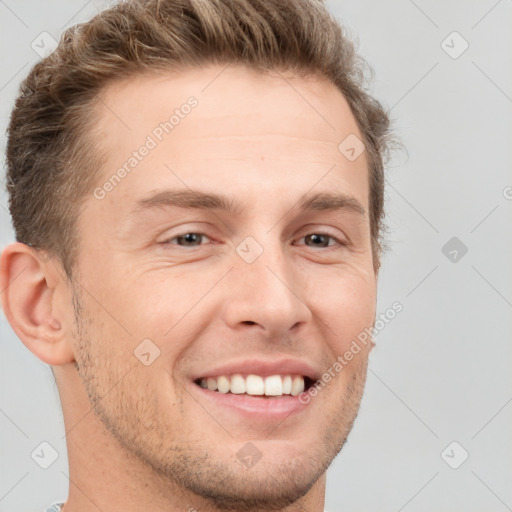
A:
266	294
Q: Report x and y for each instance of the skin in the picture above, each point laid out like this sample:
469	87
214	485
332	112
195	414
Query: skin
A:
136	434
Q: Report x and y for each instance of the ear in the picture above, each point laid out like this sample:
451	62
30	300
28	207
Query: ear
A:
36	301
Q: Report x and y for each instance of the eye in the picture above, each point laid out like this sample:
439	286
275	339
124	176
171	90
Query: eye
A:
187	239
321	240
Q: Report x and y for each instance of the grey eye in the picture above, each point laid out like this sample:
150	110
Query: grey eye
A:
318	240
188	239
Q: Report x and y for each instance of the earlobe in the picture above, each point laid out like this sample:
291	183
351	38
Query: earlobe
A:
31	287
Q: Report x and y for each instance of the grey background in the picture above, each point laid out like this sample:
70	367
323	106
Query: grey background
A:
441	369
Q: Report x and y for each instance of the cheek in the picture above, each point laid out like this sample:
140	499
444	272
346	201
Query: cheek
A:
171	310
346	303
345	298
134	306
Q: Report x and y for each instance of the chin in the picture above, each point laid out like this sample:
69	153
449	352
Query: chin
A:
280	474
267	485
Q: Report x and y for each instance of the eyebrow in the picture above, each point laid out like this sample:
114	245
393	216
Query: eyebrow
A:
331	201
194	199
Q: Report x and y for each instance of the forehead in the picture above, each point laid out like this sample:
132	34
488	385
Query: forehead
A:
242	121
234	88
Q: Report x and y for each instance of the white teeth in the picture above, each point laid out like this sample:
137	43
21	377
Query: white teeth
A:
287	385
223	384
237	384
255	385
297	385
274	385
211	383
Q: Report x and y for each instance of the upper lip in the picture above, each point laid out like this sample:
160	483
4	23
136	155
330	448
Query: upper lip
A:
261	367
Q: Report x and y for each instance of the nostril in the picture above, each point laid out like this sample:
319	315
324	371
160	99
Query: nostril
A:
249	322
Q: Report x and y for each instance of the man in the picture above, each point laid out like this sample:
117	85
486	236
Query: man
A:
197	193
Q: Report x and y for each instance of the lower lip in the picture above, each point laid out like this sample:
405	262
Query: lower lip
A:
268	408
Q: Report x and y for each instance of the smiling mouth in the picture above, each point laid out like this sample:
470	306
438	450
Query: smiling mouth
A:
256	385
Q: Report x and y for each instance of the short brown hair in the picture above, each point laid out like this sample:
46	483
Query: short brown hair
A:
52	159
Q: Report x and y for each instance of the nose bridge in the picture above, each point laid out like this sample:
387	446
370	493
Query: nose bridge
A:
265	291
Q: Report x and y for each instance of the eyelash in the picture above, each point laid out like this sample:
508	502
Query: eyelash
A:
319	233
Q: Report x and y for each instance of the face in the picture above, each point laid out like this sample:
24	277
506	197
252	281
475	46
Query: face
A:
231	258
